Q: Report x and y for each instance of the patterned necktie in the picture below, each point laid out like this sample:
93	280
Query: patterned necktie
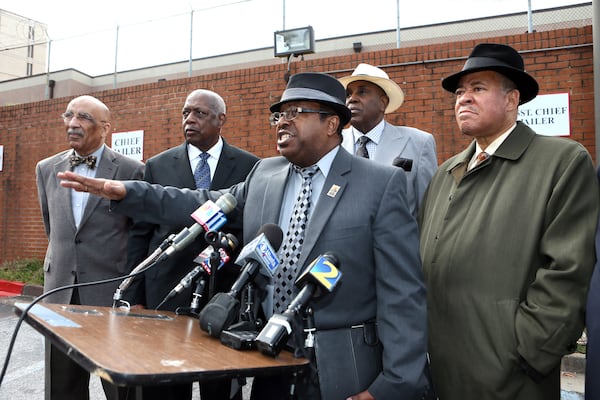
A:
361	151
90	161
292	244
202	172
481	157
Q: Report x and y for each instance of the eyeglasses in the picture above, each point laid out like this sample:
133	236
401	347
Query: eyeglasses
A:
82	116
292	113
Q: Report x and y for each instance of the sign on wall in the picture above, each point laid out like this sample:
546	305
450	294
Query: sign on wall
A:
130	144
1	155
547	114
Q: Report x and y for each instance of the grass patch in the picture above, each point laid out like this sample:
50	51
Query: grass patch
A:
30	270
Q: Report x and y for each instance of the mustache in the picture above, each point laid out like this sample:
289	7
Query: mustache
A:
77	132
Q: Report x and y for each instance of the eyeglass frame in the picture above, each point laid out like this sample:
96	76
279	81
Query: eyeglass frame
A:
82	116
276	116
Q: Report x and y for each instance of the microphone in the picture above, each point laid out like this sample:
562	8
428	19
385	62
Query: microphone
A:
260	253
321	276
258	256
209	216
203	261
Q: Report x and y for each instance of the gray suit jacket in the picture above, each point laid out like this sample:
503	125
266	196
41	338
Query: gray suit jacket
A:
95	251
409	143
362	216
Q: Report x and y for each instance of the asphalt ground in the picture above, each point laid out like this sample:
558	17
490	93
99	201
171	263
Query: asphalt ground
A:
24	379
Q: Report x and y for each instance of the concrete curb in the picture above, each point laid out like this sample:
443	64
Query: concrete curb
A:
573	363
9	288
32	290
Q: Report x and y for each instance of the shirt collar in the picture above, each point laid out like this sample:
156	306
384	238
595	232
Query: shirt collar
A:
374	134
215	151
325	162
97	153
492	147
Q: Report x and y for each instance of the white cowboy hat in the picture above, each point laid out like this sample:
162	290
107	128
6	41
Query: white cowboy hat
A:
377	76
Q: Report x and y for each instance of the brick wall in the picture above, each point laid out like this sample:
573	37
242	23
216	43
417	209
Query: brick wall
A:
560	60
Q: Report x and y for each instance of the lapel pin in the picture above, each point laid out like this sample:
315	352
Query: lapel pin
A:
333	190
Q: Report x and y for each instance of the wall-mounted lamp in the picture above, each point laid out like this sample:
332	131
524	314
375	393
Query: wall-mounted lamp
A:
293	43
357	46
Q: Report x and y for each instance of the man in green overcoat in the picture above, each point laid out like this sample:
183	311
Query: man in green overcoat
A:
507	241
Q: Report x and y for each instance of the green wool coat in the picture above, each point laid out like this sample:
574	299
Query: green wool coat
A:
508	251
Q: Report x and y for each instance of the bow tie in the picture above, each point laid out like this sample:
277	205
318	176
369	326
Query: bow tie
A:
90	161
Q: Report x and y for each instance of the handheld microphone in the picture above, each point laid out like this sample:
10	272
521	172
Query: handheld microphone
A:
209	216
321	276
260	253
203	261
258	256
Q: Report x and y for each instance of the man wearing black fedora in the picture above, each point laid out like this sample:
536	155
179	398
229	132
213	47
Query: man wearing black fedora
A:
370	332
507	242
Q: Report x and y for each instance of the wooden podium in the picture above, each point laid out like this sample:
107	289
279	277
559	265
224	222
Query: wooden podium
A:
147	347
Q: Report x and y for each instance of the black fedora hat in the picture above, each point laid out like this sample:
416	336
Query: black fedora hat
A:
315	86
502	59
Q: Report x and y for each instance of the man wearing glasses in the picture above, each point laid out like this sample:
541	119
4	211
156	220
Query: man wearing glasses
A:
79	227
370	333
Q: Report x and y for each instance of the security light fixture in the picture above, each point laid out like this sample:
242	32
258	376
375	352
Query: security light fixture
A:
294	42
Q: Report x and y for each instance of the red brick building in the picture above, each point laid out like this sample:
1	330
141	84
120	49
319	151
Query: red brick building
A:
561	61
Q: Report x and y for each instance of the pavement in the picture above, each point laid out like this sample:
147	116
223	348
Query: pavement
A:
24	379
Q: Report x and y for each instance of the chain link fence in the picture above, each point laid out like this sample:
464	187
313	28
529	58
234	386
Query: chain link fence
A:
237	28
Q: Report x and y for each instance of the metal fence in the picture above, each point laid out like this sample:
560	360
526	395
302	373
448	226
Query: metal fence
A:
238	27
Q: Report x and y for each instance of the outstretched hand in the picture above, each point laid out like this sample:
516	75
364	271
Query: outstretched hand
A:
365	395
109	189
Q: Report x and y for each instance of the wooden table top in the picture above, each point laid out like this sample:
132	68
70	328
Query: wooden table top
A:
147	347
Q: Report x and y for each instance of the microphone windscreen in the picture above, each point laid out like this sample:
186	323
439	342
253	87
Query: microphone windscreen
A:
273	233
226	203
220	312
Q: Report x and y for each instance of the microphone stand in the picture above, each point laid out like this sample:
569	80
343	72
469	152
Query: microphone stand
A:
196	305
147	263
214	261
194	309
248	320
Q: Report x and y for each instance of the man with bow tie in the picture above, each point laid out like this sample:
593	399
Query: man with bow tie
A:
79	227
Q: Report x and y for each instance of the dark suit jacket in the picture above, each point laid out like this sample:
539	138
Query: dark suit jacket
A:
82	252
362	215
172	168
592	384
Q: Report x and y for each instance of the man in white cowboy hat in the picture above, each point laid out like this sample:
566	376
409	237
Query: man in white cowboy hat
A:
507	242
370	94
